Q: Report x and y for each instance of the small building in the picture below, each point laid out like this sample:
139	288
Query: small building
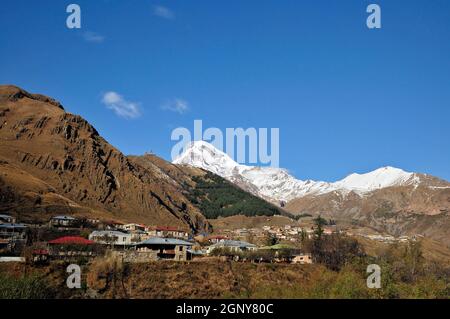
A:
217	239
13	232
110	225
329	230
158	248
242	232
63	221
70	247
139	235
302	258
169	232
71	240
93	221
39	256
133	227
111	237
7	219
232	246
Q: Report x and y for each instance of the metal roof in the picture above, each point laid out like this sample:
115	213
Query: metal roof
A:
196	252
109	233
13	226
278	247
63	217
71	240
165	241
233	243
5	216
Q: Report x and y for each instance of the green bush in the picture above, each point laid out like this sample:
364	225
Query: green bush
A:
26	287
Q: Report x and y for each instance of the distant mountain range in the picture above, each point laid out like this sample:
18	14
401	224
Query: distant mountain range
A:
276	184
388	199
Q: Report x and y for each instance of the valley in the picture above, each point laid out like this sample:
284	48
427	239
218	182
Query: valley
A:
56	165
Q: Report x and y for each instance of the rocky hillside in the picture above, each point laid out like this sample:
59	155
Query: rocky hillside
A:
54	162
397	210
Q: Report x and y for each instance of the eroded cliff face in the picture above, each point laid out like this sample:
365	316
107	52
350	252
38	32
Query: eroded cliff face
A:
52	161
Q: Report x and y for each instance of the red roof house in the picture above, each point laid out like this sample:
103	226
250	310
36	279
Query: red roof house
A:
71	240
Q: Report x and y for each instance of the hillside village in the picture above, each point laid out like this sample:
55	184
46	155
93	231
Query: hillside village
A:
70	239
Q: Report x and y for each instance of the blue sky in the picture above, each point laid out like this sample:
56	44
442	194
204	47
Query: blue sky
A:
346	98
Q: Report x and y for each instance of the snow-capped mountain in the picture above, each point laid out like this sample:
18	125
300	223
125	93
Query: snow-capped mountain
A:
387	199
277	184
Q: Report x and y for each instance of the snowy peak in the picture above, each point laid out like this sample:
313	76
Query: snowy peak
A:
379	178
204	155
277	184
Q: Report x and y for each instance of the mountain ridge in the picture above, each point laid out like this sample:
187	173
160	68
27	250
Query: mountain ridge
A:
388	199
55	162
276	184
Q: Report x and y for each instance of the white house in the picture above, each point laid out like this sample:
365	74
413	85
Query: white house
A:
110	237
232	245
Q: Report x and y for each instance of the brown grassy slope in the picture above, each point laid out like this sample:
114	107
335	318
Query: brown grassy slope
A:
431	249
167	280
205	279
108	278
56	162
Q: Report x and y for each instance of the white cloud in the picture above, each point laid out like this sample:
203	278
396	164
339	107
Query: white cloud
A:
93	37
176	105
120	106
163	12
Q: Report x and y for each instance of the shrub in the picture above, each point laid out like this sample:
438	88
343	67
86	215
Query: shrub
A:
25	287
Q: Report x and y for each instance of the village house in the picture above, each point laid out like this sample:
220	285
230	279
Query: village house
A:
232	245
292	232
216	239
70	247
63	221
133	227
93	221
110	225
138	232
242	232
39	256
111	237
302	258
158	248
167	231
139	235
13	232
